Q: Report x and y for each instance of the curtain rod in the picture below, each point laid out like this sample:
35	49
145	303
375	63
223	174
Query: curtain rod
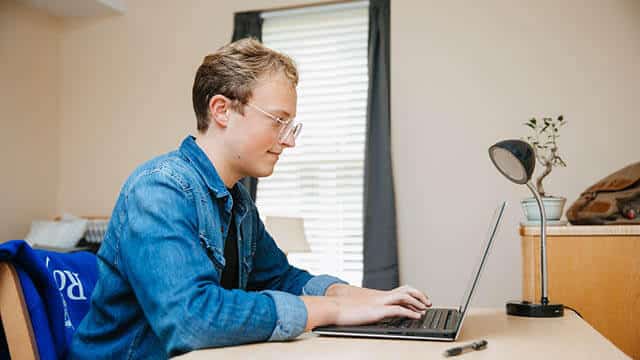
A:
313	7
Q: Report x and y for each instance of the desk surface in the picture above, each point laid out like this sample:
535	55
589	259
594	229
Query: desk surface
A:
509	337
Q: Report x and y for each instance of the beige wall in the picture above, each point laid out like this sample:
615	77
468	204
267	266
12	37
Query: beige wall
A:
463	77
29	99
126	92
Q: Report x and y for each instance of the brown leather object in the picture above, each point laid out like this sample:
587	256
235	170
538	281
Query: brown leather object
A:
612	200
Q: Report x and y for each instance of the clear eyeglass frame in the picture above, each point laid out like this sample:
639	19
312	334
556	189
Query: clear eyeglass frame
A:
289	127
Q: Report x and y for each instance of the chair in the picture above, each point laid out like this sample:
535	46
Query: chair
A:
43	297
15	317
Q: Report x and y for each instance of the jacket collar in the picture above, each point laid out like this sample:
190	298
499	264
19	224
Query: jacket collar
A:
204	167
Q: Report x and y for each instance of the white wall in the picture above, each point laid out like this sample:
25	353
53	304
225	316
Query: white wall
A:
463	77
29	101
126	90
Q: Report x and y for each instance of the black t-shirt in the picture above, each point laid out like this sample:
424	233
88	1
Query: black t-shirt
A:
229	278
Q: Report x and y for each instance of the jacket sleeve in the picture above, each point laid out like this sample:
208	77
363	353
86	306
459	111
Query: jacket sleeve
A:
272	270
176	283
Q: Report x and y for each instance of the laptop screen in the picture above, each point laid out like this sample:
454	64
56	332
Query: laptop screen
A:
493	230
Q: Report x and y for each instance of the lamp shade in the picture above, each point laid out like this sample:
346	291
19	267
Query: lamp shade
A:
515	159
288	233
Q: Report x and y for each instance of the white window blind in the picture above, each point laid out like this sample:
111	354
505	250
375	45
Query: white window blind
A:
321	179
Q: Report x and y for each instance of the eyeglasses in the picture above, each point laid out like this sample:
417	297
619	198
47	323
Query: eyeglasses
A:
288	127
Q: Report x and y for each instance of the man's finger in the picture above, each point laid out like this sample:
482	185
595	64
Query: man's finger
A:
413	308
418	295
402	298
401	311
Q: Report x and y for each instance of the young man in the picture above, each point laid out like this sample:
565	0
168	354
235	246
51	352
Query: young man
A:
187	263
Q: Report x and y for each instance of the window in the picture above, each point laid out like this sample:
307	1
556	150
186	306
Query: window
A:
321	179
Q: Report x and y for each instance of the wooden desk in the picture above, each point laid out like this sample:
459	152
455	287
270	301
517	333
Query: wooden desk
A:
593	269
509	337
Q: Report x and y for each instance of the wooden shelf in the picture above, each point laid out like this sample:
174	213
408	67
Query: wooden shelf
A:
593	269
582	230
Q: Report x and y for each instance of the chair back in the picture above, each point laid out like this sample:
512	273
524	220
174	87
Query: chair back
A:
43	297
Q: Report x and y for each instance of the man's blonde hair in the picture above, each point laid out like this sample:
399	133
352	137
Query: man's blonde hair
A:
232	71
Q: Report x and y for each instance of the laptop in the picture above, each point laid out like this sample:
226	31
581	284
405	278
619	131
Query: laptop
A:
438	323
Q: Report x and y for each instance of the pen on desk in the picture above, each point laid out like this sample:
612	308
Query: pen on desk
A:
476	345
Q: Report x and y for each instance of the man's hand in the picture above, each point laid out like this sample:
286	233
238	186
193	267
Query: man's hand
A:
407	292
350	305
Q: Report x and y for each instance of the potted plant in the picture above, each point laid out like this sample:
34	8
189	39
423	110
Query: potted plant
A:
545	143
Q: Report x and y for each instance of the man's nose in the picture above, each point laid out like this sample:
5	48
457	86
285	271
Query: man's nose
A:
289	141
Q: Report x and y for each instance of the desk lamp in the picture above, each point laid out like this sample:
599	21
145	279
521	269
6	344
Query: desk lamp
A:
516	160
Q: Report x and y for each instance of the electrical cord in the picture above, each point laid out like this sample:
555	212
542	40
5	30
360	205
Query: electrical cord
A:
574	310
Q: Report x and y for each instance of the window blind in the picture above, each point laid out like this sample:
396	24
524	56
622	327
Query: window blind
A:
321	179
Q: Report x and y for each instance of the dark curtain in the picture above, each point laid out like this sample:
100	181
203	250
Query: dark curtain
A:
248	24
380	242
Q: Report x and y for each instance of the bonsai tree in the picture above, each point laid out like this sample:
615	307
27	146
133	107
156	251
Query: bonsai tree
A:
544	142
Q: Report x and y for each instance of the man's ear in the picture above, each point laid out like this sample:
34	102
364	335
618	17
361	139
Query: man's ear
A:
219	110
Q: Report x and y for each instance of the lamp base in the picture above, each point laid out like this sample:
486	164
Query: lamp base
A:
528	309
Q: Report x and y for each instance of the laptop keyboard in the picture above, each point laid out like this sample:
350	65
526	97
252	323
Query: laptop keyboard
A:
433	319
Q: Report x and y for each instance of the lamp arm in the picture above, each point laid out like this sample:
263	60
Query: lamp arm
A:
543	244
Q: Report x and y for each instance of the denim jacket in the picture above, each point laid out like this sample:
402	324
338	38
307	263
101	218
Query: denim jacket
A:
161	261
